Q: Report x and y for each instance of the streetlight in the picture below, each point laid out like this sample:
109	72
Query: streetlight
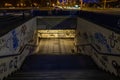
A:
81	3
104	4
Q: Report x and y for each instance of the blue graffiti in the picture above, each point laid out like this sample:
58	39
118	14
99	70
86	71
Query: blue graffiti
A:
102	40
15	40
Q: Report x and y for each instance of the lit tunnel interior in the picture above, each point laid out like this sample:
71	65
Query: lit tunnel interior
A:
55	37
56	41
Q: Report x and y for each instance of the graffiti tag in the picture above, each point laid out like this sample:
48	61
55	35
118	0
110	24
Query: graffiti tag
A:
13	63
112	40
14	40
102	40
23	30
3	68
116	66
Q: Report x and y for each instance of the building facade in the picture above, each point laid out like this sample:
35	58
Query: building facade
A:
45	3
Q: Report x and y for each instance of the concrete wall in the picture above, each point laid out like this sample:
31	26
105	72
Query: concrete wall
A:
16	43
102	44
49	22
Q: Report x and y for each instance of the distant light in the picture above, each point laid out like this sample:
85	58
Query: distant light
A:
53	4
21	4
76	6
48	3
8	4
35	4
18	5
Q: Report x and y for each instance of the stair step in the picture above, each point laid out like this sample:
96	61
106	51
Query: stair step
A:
64	75
47	67
73	77
60	72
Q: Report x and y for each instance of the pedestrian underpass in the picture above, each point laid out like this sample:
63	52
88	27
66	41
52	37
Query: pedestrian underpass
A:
55	37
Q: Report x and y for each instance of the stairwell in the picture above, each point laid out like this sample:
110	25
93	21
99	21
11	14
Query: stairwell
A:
60	67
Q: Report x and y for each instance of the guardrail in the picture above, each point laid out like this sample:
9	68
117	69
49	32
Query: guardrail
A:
12	55
101	53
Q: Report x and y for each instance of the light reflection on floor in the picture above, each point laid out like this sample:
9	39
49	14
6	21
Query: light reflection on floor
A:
55	46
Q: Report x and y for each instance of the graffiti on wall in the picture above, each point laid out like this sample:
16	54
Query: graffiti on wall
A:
15	40
3	68
118	43
22	40
12	42
100	38
91	39
116	66
13	63
112	40
9	64
23	29
29	33
104	61
2	41
102	42
2	44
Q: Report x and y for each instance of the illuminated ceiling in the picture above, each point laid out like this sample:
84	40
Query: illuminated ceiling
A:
56	33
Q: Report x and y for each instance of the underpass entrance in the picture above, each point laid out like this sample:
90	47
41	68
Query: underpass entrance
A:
56	41
55	35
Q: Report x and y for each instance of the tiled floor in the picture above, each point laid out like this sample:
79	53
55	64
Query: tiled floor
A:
55	46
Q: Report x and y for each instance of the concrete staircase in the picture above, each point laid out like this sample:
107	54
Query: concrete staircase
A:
62	75
60	67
